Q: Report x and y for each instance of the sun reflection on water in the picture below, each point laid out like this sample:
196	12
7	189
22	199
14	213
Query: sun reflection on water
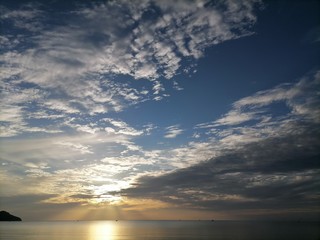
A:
102	231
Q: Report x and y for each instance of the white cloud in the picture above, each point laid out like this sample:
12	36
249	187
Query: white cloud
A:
176	86
65	77
11	114
14	109
235	117
118	161
262	98
24	18
173	131
75	146
300	99
122	128
61	151
72	65
60	105
157	87
256	117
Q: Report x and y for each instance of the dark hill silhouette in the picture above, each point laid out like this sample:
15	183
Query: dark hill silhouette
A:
5	216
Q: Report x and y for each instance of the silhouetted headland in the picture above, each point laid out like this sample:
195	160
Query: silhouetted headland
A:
5	216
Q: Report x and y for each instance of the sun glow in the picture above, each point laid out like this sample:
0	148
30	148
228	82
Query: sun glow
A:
106	198
106	193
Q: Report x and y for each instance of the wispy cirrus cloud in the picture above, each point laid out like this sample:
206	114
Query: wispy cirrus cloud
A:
173	131
299	98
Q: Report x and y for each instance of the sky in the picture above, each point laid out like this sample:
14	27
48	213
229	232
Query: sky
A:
159	109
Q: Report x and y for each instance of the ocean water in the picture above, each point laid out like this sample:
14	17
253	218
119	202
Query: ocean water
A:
169	230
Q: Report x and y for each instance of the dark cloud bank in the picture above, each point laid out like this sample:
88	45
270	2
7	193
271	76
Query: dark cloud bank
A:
275	177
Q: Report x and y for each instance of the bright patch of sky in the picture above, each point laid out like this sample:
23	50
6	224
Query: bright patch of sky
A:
102	99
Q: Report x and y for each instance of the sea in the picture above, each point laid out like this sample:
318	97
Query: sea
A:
168	230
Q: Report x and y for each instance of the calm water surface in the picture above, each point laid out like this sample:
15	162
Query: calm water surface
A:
171	230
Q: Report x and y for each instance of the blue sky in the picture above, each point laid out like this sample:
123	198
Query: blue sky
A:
160	110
